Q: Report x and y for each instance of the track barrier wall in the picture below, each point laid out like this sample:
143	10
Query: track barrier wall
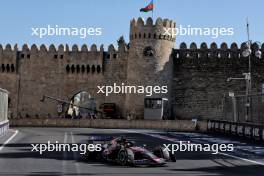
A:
248	131
177	125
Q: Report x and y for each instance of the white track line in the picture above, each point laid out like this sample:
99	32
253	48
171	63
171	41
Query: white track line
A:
244	159
220	153
75	157
64	157
8	140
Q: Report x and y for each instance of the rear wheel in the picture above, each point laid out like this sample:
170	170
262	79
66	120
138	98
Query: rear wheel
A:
122	157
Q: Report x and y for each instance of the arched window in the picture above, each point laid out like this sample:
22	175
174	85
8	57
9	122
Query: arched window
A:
154	36
8	68
98	69
83	69
78	69
72	69
144	35
149	35
12	68
88	69
68	69
9	102
139	35
93	69
3	68
148	51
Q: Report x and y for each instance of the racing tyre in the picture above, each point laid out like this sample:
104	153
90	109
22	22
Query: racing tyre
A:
122	157
87	155
172	157
162	153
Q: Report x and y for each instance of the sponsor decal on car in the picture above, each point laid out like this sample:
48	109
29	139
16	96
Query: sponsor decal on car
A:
143	161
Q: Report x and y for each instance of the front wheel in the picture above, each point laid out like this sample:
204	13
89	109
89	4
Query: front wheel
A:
172	157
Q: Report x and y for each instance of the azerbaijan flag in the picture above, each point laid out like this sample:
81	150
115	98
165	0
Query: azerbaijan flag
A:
148	8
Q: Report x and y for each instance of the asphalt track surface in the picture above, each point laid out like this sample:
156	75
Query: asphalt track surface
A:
16	157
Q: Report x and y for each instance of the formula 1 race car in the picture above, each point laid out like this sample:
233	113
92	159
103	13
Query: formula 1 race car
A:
121	151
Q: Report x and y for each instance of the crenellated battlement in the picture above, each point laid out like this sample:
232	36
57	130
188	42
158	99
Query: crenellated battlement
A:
60	48
213	51
184	51
136	23
73	59
8	59
7	48
139	29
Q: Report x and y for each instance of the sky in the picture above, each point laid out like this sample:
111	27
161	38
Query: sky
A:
17	17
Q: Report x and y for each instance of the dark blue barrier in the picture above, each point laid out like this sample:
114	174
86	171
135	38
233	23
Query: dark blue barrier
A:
257	133
227	128
240	130
243	130
233	130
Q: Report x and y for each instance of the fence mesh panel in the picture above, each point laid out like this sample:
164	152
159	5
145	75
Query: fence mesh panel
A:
3	105
237	105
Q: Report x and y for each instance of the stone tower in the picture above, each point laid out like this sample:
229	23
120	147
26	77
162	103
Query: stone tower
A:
149	61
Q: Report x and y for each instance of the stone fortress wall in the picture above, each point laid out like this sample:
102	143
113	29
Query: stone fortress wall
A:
146	70
200	83
196	76
29	74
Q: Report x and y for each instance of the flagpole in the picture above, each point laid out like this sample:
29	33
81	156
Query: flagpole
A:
153	10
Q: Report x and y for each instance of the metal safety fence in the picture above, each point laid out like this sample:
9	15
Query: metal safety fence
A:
3	105
4	124
244	108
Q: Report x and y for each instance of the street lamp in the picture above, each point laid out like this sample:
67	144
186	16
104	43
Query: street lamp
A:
247	52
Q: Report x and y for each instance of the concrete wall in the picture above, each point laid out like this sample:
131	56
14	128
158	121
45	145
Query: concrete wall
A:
177	125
